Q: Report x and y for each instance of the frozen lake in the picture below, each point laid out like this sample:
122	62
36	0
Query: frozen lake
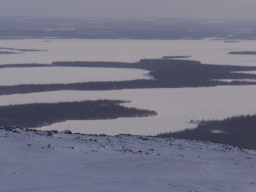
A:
175	107
48	75
207	50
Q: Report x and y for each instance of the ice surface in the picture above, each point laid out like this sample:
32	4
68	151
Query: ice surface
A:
245	72
175	107
48	75
206	50
230	80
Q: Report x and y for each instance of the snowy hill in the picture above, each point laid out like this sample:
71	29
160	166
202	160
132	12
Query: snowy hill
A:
59	162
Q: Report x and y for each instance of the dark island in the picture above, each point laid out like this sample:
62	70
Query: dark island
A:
8	53
43	114
239	131
176	57
166	73
243	53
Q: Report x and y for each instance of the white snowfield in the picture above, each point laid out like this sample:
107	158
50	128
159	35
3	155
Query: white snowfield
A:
64	163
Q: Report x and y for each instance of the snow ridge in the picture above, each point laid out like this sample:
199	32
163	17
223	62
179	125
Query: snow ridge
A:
48	161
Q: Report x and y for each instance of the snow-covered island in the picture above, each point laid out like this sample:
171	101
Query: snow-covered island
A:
32	160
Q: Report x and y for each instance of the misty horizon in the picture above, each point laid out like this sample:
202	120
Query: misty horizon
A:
171	9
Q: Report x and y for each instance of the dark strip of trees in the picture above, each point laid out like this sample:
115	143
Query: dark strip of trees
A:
42	114
237	131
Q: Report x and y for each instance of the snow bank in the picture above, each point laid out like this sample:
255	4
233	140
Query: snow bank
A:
32	161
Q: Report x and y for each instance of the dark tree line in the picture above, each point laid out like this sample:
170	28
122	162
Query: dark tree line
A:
237	131
41	114
243	53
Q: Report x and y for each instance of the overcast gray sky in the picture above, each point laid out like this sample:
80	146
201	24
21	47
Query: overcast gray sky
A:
213	9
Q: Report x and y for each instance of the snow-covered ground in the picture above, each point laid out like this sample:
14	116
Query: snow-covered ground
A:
175	107
64	163
48	75
206	50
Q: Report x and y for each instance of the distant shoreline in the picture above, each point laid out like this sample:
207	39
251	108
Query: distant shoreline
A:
243	53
